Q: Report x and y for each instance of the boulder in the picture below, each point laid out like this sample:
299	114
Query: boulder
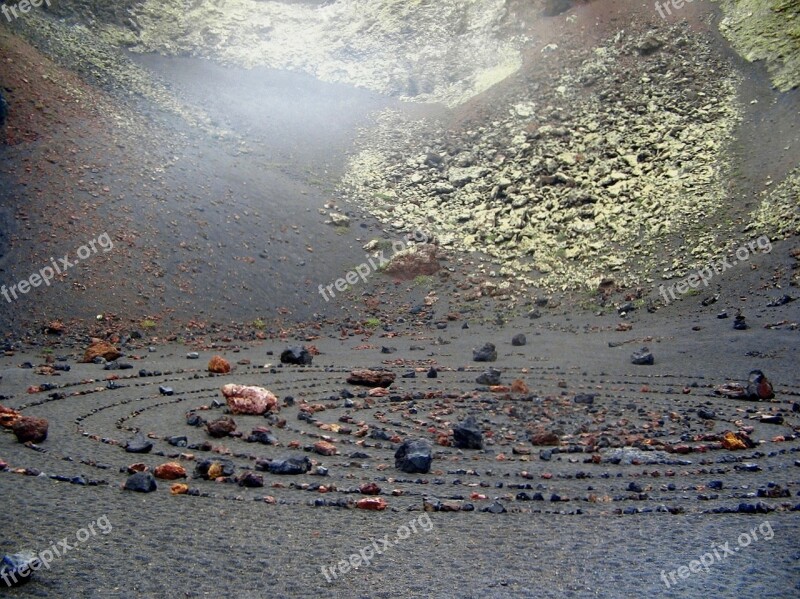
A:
8	416
519	340
468	434
250	480
139	444
372	503
758	386
213	468
296	355
413	456
371	378
487	353
101	349
643	357
263	435
141	482
324	448
289	465
419	260
243	399
170	471
489	378
545	438
16	569
221	427
30	429
219	365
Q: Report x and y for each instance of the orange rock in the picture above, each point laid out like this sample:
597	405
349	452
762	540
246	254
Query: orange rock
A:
732	441
179	489
100	348
170	471
138	467
8	416
215	471
372	503
219	365
325	448
519	386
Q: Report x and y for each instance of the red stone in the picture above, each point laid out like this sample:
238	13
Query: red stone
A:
30	429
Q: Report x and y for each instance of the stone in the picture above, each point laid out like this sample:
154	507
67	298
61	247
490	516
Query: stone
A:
495	508
290	465
179	489
262	435
243	399
17	568
325	448
584	398
487	353
170	471
8	416
219	365
519	340
139	444
178	441
372	503
419	260
213	468
296	355
734	441
30	429
100	349
544	438
643	357
758	386
369	489
413	456
141	482
468	435
221	427
706	414
251	480
371	378
489	378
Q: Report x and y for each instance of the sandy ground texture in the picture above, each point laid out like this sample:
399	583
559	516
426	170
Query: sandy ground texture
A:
577	522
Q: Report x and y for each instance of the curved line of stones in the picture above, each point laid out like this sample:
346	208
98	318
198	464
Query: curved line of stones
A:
626	381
